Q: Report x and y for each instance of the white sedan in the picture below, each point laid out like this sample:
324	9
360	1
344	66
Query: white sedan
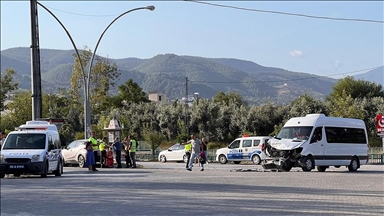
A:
173	153
75	153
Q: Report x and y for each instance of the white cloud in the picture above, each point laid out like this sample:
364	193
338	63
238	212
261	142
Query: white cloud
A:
296	53
338	64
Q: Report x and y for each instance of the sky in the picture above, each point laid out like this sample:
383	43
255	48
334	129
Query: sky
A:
316	46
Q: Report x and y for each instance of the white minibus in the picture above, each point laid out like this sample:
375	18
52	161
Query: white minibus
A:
318	141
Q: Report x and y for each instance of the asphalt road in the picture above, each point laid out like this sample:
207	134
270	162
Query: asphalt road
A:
169	189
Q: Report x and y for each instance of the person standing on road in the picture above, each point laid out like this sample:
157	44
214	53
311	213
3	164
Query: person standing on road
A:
196	147
117	145
128	162
95	147
103	152
132	150
90	160
205	145
187	149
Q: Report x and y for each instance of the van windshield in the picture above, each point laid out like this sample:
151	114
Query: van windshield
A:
25	141
298	133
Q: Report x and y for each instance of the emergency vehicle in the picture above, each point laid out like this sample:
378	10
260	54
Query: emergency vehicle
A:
34	148
243	149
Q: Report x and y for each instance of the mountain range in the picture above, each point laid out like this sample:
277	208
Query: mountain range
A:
166	73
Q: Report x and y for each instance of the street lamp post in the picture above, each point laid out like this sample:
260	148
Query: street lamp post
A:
87	108
86	76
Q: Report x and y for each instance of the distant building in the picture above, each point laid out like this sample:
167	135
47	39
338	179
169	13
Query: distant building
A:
158	97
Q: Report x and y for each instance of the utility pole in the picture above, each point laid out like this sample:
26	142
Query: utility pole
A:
186	105
35	64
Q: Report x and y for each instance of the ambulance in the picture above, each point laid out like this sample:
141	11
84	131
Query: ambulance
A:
34	148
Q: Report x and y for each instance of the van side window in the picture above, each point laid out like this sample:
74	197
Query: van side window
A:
247	143
345	135
256	143
317	135
234	144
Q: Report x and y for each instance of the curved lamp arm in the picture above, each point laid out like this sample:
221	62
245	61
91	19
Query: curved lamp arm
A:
151	8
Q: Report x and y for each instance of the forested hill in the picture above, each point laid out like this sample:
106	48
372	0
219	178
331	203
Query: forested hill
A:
166	73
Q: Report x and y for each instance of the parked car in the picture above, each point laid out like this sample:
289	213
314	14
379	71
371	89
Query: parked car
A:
243	149
173	153
75	153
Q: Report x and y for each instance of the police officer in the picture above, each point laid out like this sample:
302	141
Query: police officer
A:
187	149
95	146
132	150
103	152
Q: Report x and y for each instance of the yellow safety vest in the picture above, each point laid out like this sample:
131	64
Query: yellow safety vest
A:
95	143
188	147
102	146
133	146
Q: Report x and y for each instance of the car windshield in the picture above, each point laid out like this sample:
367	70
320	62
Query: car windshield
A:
301	133
25	141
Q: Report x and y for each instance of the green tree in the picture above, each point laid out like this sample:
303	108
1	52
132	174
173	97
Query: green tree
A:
344	106
102	77
356	88
7	86
231	97
19	110
129	92
154	138
306	104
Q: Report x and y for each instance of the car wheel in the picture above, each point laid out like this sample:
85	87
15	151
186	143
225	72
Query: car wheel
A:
321	168
16	175
163	159
81	161
337	166
222	159
59	170
44	175
308	164
354	165
236	162
256	159
185	158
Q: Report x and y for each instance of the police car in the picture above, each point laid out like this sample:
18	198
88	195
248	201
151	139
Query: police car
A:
244	149
35	148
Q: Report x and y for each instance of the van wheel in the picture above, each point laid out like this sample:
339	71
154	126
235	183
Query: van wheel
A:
354	165
81	161
256	159
222	159
308	164
321	168
236	162
44	175
286	166
59	170
2	175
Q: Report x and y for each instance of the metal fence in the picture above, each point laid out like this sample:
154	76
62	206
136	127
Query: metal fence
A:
375	155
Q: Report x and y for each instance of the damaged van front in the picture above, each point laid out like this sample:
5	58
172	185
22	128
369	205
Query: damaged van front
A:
286	148
318	141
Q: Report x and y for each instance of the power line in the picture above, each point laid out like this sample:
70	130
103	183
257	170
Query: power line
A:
290	14
286	80
78	14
